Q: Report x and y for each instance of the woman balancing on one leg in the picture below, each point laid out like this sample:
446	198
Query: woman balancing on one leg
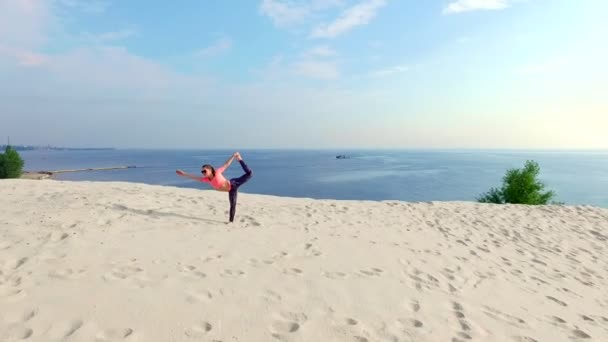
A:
216	179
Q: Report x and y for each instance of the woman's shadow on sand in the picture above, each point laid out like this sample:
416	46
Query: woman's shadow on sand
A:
156	214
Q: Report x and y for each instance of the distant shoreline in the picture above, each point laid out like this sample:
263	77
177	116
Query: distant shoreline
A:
49	174
53	148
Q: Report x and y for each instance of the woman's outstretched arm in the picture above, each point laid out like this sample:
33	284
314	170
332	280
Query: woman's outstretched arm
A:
229	161
187	175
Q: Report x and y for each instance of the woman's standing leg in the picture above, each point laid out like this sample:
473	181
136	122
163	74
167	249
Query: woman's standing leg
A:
235	183
232	195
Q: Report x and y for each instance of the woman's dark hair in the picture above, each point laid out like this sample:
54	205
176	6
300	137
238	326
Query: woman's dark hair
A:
207	166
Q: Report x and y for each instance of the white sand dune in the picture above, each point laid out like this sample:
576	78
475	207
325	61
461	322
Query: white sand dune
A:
83	261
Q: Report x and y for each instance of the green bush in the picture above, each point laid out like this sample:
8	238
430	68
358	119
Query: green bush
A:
520	186
11	164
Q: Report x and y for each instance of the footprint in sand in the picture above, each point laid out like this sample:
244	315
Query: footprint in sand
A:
52	258
253	262
280	255
351	321
334	275
132	276
310	249
465	326
580	334
557	301
271	296
14	281
250	221
231	273
414	306
287	323
63	330
410	323
114	335
191	271
211	257
313	252
66	273
5	245
18	332
372	272
123	272
28	315
293	271
57	236
503	316
448	273
11	293
558	320
523	339
17	263
199	329
21	317
198	296
462	335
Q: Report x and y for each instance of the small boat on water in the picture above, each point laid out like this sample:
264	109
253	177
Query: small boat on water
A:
342	156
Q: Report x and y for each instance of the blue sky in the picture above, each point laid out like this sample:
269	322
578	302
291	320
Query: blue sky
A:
305	73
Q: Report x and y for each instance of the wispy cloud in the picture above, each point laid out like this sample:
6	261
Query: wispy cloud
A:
319	62
25	24
87	6
280	71
358	15
397	69
22	57
219	47
117	35
284	13
322	70
321	51
107	37
290	12
460	6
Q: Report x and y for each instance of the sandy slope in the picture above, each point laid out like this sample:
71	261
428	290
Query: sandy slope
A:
118	261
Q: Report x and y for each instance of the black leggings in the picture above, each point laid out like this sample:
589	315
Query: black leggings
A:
235	183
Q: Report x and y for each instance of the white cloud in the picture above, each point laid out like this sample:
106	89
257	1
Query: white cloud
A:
284	13
107	37
389	71
460	6
117	35
22	57
322	70
87	6
325	4
290	12
219	47
358	15
286	72
25	23
321	51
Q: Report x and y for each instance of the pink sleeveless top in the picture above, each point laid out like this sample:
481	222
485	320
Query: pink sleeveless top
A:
218	181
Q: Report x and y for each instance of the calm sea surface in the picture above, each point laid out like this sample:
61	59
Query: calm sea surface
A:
577	177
